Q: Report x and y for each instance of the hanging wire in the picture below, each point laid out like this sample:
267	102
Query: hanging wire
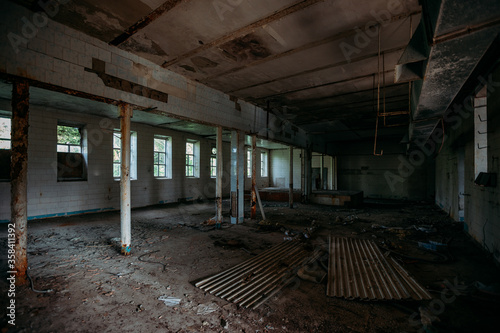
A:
378	98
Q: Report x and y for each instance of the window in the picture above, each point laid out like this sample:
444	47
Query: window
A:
71	163
117	155
5	148
263	164
249	163
192	159
213	163
162	157
480	133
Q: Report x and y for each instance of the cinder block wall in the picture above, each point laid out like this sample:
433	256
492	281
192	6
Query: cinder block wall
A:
279	168
391	176
47	197
482	204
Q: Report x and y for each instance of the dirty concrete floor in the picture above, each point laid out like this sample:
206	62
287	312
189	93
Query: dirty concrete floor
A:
95	289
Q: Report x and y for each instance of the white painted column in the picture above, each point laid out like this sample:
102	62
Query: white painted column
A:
125	192
218	184
241	176
290	183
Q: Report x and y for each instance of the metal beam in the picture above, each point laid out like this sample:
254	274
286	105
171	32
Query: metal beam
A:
125	193
19	178
317	69
290	182
244	30
218	184
145	21
304	47
253	203
331	83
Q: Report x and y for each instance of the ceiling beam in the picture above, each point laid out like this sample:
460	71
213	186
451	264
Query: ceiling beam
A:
244	30
326	84
304	47
318	69
145	21
308	101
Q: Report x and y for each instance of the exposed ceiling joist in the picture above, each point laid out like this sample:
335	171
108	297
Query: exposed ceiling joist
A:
145	21
321	68
244	30
304	47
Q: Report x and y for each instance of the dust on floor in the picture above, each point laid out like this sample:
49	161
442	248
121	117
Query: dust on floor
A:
95	289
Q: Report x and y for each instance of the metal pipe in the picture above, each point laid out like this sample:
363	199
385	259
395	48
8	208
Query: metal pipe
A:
253	203
218	181
19	178
125	208
290	187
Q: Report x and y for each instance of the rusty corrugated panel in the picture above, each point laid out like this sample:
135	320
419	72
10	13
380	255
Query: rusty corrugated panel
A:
254	281
357	269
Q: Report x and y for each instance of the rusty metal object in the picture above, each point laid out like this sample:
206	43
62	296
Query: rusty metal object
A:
218	184
357	269
19	176
125	192
253	203
254	281
145	21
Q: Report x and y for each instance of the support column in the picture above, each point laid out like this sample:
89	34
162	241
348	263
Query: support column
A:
308	174
234	177
290	188
241	176
322	187
302	174
253	203
19	178
218	183
125	193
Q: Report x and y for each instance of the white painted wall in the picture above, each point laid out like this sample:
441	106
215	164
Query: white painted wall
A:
48	197
280	165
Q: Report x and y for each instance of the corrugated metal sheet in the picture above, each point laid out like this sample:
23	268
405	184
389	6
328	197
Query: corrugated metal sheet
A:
254	281
357	269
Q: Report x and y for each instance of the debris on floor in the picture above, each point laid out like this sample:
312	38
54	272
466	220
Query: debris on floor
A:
359	270
254	281
169	300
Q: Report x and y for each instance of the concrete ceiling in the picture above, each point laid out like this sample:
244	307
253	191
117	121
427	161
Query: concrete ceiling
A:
314	62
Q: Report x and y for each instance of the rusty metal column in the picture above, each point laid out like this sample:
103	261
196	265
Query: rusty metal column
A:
253	203
125	193
290	182
19	177
218	184
241	176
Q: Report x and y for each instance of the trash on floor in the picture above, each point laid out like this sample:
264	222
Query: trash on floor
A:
432	245
169	300
357	269
254	281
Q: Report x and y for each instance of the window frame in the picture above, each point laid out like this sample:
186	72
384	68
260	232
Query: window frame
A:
133	155
249	162
213	163
7	157
195	159
264	169
78	158
167	160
